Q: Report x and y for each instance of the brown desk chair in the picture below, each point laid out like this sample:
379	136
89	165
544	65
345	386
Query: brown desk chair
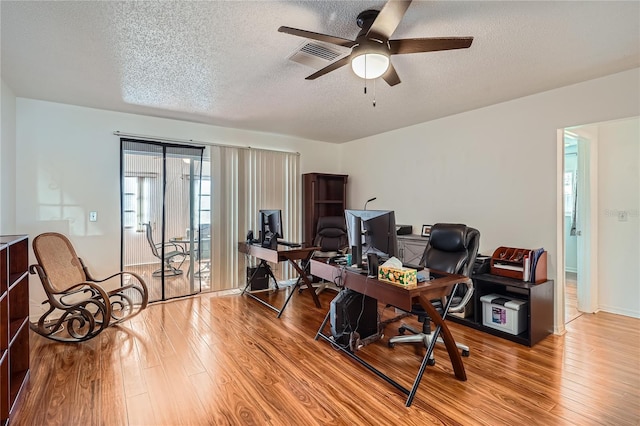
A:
452	248
79	308
172	251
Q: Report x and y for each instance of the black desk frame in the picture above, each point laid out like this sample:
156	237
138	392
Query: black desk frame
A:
281	254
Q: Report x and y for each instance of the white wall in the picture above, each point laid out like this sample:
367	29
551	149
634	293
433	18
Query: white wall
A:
7	160
619	241
68	163
493	168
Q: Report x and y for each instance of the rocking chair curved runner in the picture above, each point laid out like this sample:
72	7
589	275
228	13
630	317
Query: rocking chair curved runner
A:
80	308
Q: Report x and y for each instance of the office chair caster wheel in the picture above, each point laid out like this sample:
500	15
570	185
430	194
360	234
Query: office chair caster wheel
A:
431	362
391	345
465	353
402	330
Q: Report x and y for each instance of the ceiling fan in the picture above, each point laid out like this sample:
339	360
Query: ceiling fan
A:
372	49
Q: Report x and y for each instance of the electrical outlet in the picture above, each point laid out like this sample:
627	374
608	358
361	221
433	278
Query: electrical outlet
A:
93	216
622	215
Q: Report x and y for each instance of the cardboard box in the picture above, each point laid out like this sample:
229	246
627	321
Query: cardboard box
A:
401	276
504	313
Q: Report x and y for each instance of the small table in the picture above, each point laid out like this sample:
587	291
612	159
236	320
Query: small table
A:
441	285
298	257
191	246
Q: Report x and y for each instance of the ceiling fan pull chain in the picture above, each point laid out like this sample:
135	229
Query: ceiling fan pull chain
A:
365	74
374	93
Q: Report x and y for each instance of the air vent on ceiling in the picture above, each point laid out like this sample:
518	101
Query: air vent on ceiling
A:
317	54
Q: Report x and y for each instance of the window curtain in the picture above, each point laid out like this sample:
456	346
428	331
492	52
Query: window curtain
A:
243	181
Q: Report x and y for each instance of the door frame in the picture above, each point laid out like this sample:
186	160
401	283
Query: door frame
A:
588	242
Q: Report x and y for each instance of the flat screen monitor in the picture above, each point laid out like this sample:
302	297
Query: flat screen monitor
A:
371	231
270	227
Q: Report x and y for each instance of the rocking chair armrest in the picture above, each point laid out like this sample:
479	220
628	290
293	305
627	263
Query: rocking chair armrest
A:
133	274
73	289
37	269
80	288
141	283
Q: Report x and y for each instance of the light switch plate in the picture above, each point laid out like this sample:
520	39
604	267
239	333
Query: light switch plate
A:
93	216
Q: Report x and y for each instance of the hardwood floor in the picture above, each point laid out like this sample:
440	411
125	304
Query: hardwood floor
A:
227	360
176	285
571	311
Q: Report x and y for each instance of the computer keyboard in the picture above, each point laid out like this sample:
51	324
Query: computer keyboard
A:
413	266
289	244
356	269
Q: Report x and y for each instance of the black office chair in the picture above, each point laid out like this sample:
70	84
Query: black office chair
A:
331	236
452	248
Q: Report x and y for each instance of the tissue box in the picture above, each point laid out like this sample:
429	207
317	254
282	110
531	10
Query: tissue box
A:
402	276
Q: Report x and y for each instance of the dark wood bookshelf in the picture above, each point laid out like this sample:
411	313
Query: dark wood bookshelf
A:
323	194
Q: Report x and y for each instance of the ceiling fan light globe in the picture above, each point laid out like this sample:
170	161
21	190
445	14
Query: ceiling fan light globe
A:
370	65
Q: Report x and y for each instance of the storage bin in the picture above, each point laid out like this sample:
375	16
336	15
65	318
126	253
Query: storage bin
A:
504	313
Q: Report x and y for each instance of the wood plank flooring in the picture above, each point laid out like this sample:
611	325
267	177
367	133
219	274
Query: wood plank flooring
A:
227	360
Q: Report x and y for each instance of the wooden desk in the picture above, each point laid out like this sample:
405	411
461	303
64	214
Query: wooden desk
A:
298	257
442	285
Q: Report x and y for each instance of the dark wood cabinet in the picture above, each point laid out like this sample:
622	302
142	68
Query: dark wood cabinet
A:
323	194
14	320
540	306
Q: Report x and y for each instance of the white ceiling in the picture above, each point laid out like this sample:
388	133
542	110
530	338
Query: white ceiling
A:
224	62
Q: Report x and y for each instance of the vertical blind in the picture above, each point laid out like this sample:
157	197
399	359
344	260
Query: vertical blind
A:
243	181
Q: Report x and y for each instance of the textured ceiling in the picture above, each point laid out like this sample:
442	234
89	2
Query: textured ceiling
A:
224	62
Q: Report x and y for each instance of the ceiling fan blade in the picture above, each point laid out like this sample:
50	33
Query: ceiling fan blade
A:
331	67
418	45
391	76
317	36
388	19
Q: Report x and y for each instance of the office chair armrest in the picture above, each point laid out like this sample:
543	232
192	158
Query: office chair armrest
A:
465	299
177	247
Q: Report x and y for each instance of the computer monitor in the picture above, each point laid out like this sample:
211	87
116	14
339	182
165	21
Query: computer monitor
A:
270	227
371	231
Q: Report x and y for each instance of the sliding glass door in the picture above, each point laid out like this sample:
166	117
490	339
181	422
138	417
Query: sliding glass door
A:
164	238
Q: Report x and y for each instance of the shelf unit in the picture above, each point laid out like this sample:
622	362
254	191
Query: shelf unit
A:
540	305
14	322
323	194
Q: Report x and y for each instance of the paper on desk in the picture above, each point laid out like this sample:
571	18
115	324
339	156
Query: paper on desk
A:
393	262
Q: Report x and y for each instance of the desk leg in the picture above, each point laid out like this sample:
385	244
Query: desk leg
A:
302	274
447	337
324	323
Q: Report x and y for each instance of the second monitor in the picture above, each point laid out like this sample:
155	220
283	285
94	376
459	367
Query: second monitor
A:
371	231
270	227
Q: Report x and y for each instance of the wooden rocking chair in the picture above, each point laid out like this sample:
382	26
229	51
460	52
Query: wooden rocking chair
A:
79	308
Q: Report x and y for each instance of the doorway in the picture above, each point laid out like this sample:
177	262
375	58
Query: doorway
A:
162	238
571	232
